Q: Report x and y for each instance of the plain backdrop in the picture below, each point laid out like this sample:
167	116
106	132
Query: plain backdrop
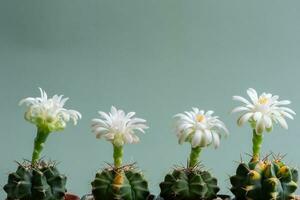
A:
154	57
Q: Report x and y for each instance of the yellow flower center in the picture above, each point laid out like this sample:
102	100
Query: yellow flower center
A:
263	100
200	118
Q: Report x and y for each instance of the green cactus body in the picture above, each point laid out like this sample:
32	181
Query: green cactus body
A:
189	184
264	180
36	183
120	184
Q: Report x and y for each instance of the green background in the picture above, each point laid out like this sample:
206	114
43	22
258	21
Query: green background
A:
154	57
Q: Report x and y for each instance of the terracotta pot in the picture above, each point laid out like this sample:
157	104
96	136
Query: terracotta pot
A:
71	197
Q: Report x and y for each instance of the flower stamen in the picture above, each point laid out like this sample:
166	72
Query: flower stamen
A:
263	100
200	118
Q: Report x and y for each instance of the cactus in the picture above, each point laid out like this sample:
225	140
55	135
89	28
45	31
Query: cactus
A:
201	129
119	182
124	183
189	184
264	180
39	182
35	179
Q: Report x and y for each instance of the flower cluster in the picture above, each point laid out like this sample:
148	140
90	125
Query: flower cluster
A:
118	127
49	113
200	128
263	111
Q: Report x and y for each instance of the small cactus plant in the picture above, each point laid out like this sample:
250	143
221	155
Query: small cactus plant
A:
119	182
41	181
188	184
37	179
201	129
263	179
125	183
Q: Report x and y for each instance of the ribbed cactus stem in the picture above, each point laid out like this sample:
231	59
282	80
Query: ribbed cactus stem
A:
257	143
194	156
39	143
40	182
118	155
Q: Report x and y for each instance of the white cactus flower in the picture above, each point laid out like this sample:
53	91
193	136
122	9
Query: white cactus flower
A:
262	111
49	113
118	127
199	128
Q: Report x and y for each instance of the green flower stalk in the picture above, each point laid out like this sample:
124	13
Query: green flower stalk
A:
118	156
194	156
39	143
256	146
40	180
263	179
49	115
118	181
201	129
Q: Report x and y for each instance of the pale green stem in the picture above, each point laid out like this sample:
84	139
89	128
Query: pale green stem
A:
39	143
256	148
118	155
194	156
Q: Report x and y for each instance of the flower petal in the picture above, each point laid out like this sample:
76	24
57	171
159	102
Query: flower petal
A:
267	121
282	122
260	126
239	109
216	139
197	138
257	116
244	118
241	99
252	94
